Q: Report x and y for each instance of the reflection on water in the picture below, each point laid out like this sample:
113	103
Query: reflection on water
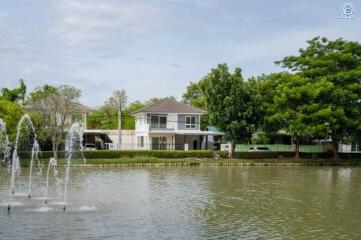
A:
189	203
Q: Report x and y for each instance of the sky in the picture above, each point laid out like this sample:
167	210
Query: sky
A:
154	48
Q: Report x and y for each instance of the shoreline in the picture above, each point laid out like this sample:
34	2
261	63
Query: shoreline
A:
201	162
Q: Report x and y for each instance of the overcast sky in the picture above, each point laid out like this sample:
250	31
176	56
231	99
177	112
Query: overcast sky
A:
155	48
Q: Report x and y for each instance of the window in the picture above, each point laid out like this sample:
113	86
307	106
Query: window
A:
190	122
158	121
141	141
76	118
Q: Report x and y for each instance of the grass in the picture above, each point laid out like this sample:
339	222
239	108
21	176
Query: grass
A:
140	161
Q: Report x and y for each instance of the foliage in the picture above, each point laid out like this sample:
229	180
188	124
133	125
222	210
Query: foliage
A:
104	154
194	96
323	96
11	113
52	109
14	95
231	103
262	155
260	139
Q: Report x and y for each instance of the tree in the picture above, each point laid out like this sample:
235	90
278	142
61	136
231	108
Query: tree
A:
14	95
119	98
336	66
231	104
11	113
295	108
55	105
194	96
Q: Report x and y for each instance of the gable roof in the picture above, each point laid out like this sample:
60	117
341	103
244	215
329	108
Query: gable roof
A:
168	105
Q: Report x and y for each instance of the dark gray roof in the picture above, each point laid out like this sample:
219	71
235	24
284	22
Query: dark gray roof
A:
168	105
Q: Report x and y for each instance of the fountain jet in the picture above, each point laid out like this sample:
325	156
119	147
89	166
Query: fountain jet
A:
73	146
15	161
4	144
52	164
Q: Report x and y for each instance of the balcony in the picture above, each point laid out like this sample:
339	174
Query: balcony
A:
158	122
158	125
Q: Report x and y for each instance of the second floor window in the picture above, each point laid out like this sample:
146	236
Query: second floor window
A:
158	121
190	122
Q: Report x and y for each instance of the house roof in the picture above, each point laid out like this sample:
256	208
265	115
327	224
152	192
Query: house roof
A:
168	105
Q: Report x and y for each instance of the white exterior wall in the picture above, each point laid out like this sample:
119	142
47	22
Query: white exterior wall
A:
172	121
141	130
141	124
127	138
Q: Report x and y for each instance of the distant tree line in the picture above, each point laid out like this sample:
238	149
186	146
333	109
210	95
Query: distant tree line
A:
318	95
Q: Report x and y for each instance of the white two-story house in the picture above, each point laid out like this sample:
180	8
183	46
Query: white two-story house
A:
170	124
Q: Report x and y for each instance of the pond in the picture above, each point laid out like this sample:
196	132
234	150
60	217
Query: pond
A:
187	203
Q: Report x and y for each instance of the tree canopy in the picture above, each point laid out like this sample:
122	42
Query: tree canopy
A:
325	89
14	95
52	109
231	103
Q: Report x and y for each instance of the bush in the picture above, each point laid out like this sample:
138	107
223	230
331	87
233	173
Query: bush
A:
256	155
311	155
222	154
139	153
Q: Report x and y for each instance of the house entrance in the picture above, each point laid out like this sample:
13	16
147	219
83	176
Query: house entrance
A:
159	143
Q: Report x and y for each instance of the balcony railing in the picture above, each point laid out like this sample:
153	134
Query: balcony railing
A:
158	125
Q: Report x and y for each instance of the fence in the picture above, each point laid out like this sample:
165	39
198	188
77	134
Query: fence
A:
281	147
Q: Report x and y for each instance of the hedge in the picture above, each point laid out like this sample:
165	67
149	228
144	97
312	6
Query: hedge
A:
105	154
262	155
305	155
138	153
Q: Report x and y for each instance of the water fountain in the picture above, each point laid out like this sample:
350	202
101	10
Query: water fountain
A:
4	144
15	162
73	146
52	164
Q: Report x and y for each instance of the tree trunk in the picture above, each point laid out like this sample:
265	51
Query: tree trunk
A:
335	149
55	150
297	154
233	146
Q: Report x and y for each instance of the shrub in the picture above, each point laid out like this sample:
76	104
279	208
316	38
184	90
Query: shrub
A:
311	155
139	153
222	154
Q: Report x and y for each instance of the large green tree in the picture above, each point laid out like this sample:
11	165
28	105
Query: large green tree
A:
11	113
231	103
327	83
14	95
294	107
10	110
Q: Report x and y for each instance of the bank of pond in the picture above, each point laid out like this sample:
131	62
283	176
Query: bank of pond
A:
200	158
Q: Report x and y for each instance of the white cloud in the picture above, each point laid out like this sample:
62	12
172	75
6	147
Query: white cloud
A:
80	21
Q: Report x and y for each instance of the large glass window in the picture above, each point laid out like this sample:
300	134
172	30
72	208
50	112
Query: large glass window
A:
158	121
190	122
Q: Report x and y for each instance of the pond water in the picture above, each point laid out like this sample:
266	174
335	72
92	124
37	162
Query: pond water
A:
188	203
